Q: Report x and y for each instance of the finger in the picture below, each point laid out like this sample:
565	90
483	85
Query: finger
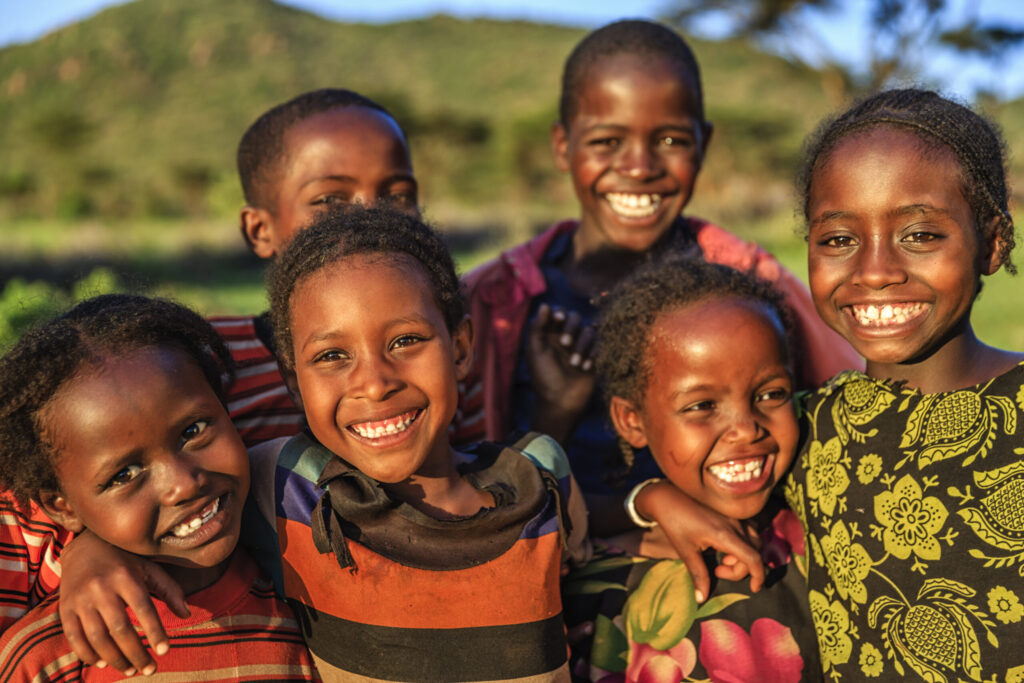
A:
698	572
164	588
581	350
540	321
100	635
571	329
79	643
149	621
125	639
580	632
736	571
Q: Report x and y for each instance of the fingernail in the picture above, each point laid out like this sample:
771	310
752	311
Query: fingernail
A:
565	339
587	365
588	628
575	359
130	672
699	596
149	670
162	648
100	664
558	315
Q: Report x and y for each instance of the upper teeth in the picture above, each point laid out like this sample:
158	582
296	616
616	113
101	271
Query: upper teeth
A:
187	528
633	205
370	430
736	471
887	314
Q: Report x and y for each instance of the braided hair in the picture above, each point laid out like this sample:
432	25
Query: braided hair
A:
939	123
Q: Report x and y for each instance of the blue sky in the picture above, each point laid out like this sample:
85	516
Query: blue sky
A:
22	21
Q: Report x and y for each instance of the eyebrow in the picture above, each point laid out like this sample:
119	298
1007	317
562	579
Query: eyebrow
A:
406	177
329	334
907	210
686	127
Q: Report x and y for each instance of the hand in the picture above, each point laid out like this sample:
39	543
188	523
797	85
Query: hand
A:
558	352
94	592
692	528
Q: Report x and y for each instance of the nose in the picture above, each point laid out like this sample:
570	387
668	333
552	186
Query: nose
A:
375	378
638	161
183	479
879	265
744	426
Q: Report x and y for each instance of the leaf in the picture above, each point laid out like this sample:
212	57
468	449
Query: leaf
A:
718	603
591	587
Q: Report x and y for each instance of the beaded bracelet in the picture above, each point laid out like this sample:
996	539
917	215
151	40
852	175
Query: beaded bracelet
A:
630	504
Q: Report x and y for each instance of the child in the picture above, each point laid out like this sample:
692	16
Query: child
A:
405	559
111	420
694	361
632	135
907	483
322	148
319	149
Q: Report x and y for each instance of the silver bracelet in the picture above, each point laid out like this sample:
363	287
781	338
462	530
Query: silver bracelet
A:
630	504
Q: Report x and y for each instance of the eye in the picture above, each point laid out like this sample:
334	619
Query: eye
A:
774	396
607	143
921	236
194	430
329	199
676	141
125	476
699	407
402	199
330	356
836	241
407	340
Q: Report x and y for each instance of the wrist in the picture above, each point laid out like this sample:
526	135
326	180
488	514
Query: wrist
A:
630	504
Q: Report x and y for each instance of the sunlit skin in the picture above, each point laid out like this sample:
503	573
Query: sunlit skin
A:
348	155
144	446
637	135
895	258
717	412
372	351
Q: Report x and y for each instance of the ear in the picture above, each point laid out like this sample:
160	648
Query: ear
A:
628	421
707	129
291	380
991	246
59	509
462	341
257	226
560	146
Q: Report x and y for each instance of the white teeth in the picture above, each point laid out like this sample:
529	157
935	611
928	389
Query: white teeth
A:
367	432
738	471
633	205
887	314
190	527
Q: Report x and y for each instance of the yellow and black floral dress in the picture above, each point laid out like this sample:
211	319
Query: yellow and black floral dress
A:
914	510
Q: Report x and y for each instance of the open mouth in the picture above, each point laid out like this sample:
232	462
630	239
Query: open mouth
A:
630	205
886	315
739	471
389	427
195	523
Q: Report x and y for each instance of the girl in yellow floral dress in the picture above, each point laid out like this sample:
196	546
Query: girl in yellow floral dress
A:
910	483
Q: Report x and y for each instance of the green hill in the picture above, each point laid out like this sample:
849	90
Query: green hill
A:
137	110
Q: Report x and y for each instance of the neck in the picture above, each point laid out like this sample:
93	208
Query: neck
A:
963	361
443	493
194	579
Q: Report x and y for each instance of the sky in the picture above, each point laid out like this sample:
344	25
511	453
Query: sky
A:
22	21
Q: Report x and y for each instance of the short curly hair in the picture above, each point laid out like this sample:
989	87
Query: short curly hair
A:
350	230
939	123
645	39
54	352
634	305
261	150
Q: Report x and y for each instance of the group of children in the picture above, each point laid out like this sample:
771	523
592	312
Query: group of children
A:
398	492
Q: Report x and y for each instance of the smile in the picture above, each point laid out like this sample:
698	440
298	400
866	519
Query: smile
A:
388	427
629	205
887	314
190	526
738	471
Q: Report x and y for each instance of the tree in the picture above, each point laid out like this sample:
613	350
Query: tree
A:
901	33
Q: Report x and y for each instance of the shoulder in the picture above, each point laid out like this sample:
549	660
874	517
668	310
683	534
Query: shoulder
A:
519	263
544	452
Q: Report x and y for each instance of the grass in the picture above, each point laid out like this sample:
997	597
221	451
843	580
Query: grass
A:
205	265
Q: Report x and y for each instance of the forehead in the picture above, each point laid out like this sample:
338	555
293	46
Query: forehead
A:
630	84
377	283
353	135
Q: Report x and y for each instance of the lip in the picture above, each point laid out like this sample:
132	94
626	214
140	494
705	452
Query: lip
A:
637	207
210	529
387	430
752	485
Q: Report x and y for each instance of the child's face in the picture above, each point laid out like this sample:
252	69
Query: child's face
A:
893	252
633	148
376	366
341	156
718	410
148	459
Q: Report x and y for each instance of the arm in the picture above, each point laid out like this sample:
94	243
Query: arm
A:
692	528
99	582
